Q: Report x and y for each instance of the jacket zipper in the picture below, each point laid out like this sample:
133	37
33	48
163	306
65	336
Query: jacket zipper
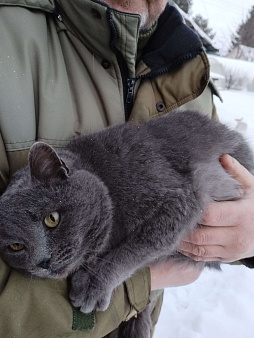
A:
130	90
130	86
132	81
129	83
129	96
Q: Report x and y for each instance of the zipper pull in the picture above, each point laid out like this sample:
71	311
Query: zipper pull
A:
130	90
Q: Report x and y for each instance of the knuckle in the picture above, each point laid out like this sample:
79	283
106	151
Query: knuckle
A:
200	237
200	251
212	216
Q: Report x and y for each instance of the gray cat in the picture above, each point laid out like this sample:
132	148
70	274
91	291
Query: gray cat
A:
113	202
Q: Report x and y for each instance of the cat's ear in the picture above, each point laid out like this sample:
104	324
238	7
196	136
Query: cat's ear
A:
45	164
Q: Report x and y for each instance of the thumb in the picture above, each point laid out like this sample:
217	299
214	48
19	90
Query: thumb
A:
239	172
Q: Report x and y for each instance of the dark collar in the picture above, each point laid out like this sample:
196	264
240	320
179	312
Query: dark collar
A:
172	43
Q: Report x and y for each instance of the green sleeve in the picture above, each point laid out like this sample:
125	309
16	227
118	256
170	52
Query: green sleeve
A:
40	308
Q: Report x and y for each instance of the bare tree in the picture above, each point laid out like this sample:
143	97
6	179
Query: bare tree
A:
233	79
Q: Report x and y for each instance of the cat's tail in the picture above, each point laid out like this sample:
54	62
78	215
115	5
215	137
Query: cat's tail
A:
137	327
141	326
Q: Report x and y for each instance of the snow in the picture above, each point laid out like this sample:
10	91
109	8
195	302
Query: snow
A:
237	105
238	68
242	52
224	18
218	304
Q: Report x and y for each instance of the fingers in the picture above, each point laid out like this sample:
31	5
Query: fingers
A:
199	258
212	244
205	253
206	235
227	244
220	214
230	213
208	244
227	231
241	174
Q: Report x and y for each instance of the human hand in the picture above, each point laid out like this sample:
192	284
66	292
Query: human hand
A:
227	233
173	273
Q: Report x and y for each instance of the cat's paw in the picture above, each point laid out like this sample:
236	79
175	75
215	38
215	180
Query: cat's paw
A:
88	293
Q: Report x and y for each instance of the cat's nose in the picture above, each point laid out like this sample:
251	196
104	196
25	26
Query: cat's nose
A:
44	263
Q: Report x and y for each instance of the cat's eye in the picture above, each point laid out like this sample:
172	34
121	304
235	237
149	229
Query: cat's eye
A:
52	220
16	246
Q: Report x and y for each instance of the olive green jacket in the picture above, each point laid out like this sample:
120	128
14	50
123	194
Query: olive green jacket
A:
69	68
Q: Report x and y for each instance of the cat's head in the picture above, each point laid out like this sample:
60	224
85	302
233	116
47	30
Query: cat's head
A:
53	218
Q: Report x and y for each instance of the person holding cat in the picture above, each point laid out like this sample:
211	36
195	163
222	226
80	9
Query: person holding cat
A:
74	67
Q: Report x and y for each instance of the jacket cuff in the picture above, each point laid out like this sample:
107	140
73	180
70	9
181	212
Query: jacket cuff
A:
138	290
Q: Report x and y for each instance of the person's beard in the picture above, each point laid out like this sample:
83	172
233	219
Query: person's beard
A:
150	10
145	22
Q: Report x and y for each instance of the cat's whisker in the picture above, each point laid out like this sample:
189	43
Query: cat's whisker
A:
99	258
136	197
93	251
105	260
93	273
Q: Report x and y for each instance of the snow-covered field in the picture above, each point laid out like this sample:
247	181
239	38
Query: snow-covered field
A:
218	304
236	105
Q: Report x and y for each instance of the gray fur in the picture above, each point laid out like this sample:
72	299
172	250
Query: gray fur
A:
126	196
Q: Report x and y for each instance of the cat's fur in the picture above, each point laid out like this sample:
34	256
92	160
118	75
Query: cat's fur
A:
126	196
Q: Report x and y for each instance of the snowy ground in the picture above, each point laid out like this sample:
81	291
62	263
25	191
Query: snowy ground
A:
218	304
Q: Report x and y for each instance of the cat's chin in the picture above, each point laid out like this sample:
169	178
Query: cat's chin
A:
50	273
56	271
58	274
62	272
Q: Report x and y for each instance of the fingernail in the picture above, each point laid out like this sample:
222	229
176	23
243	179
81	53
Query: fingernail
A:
231	159
226	159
